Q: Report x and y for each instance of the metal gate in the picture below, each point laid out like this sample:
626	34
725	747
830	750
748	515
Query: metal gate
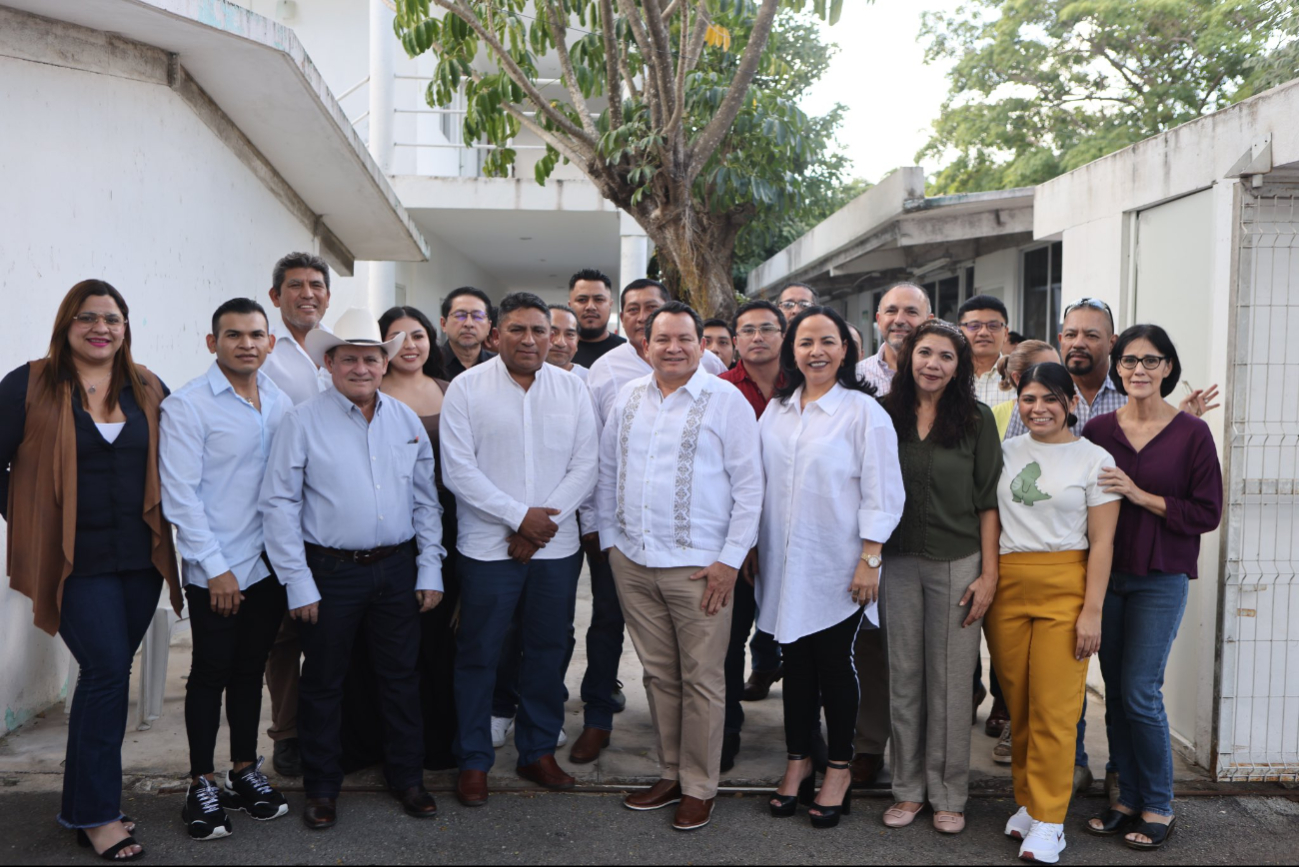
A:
1258	679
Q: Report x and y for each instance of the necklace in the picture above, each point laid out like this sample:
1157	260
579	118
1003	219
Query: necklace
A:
95	387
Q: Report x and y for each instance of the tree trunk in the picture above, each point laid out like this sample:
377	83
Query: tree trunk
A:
700	249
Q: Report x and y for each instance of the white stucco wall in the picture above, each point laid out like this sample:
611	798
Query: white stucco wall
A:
117	179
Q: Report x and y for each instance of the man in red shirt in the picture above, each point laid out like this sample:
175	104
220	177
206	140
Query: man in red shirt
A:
759	328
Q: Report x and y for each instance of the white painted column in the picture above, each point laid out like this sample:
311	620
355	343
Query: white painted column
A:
382	275
635	252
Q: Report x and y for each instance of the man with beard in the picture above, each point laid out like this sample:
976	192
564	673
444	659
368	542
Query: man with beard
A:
590	294
902	309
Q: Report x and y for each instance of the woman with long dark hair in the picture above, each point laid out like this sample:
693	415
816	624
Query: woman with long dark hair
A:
88	542
941	570
833	495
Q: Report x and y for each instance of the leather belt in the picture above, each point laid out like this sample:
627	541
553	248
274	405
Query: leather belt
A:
360	558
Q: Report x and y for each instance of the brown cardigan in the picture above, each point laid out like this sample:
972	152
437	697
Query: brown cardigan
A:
43	498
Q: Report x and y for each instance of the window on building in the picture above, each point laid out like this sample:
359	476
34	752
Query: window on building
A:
1039	301
946	294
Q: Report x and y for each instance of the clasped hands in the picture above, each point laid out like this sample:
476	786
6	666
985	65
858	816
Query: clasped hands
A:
534	533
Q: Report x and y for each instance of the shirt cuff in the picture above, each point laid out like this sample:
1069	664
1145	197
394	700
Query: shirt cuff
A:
429	578
215	565
876	526
733	556
302	593
608	538
516	515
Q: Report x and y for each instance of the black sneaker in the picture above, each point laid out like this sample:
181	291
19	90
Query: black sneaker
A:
287	758
618	698
250	791
202	812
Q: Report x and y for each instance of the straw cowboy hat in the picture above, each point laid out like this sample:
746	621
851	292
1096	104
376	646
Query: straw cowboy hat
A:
356	327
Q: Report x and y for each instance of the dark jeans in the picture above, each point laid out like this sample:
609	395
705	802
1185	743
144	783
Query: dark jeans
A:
1138	624
820	672
229	658
102	621
505	698
544	593
380	597
766	652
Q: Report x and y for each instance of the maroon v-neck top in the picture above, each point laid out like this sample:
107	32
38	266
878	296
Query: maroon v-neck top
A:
1181	465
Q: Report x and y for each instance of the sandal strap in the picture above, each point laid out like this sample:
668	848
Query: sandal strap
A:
839	766
110	854
793	757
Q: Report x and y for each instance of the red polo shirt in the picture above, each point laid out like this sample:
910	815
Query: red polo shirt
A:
739	377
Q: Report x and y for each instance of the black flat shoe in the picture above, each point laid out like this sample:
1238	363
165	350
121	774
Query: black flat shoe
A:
784	806
1112	822
110	854
1156	831
829	815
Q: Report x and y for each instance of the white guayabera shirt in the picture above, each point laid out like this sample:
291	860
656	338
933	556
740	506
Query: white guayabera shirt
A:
680	476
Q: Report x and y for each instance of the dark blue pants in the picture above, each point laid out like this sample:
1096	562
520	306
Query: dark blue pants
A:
102	621
544	595
765	650
1140	619
381	597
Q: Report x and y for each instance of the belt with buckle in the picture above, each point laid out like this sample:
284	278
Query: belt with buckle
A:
360	558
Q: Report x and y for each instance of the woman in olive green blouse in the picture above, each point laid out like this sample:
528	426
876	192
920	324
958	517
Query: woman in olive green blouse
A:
940	571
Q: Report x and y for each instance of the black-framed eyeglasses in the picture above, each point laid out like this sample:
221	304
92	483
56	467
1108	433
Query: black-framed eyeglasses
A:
994	327
1149	362
464	315
1093	303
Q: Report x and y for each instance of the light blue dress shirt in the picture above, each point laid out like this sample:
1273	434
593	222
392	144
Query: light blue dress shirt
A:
336	480
212	451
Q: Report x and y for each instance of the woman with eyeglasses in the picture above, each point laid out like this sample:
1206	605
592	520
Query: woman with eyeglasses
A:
88	543
941	571
833	495
1171	482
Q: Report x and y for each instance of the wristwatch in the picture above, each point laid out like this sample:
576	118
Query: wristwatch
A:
873	560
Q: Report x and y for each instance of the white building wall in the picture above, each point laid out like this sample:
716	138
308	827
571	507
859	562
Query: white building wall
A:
118	180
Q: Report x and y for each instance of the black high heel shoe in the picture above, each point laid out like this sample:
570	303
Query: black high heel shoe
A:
830	814
110	854
784	806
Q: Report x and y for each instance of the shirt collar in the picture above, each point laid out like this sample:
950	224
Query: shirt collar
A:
830	401
347	406
217	380
879	358
695	386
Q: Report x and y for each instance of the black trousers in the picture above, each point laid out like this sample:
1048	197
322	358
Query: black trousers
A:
381	598
820	672
229	658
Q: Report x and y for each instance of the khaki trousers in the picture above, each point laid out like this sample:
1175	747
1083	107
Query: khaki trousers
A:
1032	635
931	666
683	652
873	721
283	668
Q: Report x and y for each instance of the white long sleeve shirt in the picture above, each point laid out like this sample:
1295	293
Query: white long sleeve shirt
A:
680	476
832	480
212	451
292	369
621	365
506	450
336	480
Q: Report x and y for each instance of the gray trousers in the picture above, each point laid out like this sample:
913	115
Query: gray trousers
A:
873	722
931	665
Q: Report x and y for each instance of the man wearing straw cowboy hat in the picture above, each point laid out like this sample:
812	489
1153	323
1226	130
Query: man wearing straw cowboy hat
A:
354	531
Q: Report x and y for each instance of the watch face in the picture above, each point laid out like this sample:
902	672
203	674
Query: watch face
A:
873	561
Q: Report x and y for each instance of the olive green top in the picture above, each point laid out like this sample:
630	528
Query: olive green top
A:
946	489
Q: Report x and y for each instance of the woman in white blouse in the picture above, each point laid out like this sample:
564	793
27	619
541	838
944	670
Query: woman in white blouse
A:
833	495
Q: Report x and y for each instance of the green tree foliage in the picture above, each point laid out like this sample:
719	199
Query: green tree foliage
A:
1041	87
677	111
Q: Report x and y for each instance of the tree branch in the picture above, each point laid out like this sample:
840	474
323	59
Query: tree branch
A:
559	32
512	69
611	64
655	85
661	39
717	128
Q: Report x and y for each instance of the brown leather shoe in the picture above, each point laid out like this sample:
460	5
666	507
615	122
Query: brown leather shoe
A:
693	813
546	772
586	748
471	788
417	802
320	813
866	768
759	684
662	794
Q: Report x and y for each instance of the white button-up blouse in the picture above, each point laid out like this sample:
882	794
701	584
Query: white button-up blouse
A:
832	480
680	476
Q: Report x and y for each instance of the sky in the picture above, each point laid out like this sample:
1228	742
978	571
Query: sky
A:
879	73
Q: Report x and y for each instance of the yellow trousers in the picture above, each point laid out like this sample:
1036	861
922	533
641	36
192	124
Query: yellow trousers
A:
1031	630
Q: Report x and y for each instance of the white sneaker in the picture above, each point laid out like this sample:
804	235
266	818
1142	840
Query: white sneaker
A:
501	728
1043	844
563	739
1018	826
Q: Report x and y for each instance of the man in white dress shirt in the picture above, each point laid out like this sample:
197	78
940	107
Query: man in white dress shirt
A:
519	452
564	340
354	531
678	500
300	291
214	437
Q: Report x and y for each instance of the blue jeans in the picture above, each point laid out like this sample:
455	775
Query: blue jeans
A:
544	595
1138	624
102	621
380	596
505	698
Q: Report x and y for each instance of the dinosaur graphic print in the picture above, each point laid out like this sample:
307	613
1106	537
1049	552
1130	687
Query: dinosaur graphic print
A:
1024	489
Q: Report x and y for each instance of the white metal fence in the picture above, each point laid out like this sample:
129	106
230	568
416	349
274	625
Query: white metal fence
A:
1258	713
